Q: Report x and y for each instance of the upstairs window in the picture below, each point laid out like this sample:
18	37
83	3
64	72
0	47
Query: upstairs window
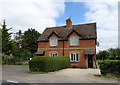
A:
53	41
74	40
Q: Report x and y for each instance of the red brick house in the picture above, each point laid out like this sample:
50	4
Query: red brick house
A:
76	41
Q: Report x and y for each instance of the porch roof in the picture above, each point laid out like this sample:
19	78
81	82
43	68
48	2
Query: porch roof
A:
40	51
90	51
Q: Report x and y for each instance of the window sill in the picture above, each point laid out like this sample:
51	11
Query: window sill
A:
74	45
74	61
53	46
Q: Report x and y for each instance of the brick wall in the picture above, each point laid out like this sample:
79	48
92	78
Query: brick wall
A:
83	44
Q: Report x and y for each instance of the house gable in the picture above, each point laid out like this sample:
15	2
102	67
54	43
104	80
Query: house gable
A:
53	34
73	33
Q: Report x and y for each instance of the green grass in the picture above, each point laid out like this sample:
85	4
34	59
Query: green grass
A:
109	75
24	63
113	76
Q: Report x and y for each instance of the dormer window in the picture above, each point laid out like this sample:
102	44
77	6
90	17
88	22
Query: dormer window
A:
53	41
74	40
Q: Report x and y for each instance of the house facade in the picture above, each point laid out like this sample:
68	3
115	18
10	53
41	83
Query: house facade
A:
76	41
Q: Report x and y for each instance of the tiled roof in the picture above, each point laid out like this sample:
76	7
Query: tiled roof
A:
40	52
89	51
86	31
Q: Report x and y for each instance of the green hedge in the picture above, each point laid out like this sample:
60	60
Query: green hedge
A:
110	66
48	64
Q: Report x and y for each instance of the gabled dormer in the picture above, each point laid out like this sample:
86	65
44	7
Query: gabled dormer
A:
53	39
73	38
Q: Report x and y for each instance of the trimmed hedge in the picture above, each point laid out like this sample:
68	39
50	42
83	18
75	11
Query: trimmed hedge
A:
48	64
110	66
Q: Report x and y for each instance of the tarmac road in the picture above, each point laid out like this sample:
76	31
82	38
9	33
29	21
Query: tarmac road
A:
19	74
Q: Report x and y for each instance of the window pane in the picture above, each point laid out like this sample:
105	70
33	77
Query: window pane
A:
50	54
71	41
74	40
76	57
55	54
71	57
53	41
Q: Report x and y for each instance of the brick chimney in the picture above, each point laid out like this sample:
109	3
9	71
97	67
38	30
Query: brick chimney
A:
68	22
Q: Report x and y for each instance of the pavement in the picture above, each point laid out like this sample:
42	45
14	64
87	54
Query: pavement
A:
20	74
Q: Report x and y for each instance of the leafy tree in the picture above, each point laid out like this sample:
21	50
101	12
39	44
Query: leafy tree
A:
113	53
6	39
118	53
103	55
0	46
30	37
15	49
19	38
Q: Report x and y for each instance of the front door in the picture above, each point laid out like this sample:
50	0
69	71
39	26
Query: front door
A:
90	61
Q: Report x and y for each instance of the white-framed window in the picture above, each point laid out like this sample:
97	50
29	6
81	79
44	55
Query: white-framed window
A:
53	54
53	41
74	40
74	57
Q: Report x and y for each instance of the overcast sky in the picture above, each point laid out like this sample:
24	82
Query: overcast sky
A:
39	14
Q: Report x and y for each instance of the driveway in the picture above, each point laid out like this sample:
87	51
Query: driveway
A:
16	73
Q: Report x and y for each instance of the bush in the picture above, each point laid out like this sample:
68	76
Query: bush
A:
110	66
10	59
48	64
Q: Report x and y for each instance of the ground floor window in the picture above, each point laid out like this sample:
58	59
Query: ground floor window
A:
53	54
74	57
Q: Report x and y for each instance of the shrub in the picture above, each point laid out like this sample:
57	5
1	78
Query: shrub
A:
110	66
10	59
48	64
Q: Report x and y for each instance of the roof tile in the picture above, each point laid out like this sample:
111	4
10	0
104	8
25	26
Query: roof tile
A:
87	31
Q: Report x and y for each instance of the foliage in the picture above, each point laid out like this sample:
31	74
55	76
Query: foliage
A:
103	55
0	46
30	37
48	64
6	58
22	47
10	60
110	66
6	43
19	39
0	58
112	54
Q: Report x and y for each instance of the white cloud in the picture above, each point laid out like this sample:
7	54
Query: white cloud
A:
106	15
24	14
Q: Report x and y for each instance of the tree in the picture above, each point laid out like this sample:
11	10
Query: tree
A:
103	55
30	37
0	41
19	38
113	53
6	39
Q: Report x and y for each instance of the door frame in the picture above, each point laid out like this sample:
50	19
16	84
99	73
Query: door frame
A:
87	60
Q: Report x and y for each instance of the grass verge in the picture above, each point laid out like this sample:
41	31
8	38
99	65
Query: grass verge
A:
113	76
109	75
